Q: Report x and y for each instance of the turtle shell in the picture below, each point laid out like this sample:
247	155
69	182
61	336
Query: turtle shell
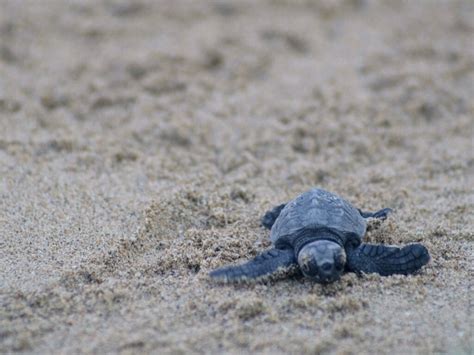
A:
318	209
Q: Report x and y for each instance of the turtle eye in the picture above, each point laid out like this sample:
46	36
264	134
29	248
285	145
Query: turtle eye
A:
305	268
341	260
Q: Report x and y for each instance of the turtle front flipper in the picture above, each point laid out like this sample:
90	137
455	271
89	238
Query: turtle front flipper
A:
381	214
387	260
273	263
270	216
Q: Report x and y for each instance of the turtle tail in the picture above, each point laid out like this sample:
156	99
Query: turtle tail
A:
273	263
388	260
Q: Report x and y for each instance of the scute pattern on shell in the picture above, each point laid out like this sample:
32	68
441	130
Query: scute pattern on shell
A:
314	209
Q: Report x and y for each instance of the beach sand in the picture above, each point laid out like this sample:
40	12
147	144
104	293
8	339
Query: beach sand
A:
140	144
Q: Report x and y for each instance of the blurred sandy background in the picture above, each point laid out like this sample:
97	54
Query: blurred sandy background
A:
140	142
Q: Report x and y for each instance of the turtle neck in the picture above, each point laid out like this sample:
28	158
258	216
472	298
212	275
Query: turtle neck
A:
308	235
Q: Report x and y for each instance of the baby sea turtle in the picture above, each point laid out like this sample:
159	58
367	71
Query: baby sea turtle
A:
321	234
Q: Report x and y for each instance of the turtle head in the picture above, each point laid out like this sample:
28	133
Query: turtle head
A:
322	261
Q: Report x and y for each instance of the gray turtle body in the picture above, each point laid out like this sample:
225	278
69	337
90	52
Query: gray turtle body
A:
318	209
321	235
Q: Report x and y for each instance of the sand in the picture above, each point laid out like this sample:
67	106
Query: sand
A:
140	143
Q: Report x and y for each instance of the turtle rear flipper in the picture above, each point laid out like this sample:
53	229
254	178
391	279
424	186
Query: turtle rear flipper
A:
273	263
381	214
387	260
270	216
